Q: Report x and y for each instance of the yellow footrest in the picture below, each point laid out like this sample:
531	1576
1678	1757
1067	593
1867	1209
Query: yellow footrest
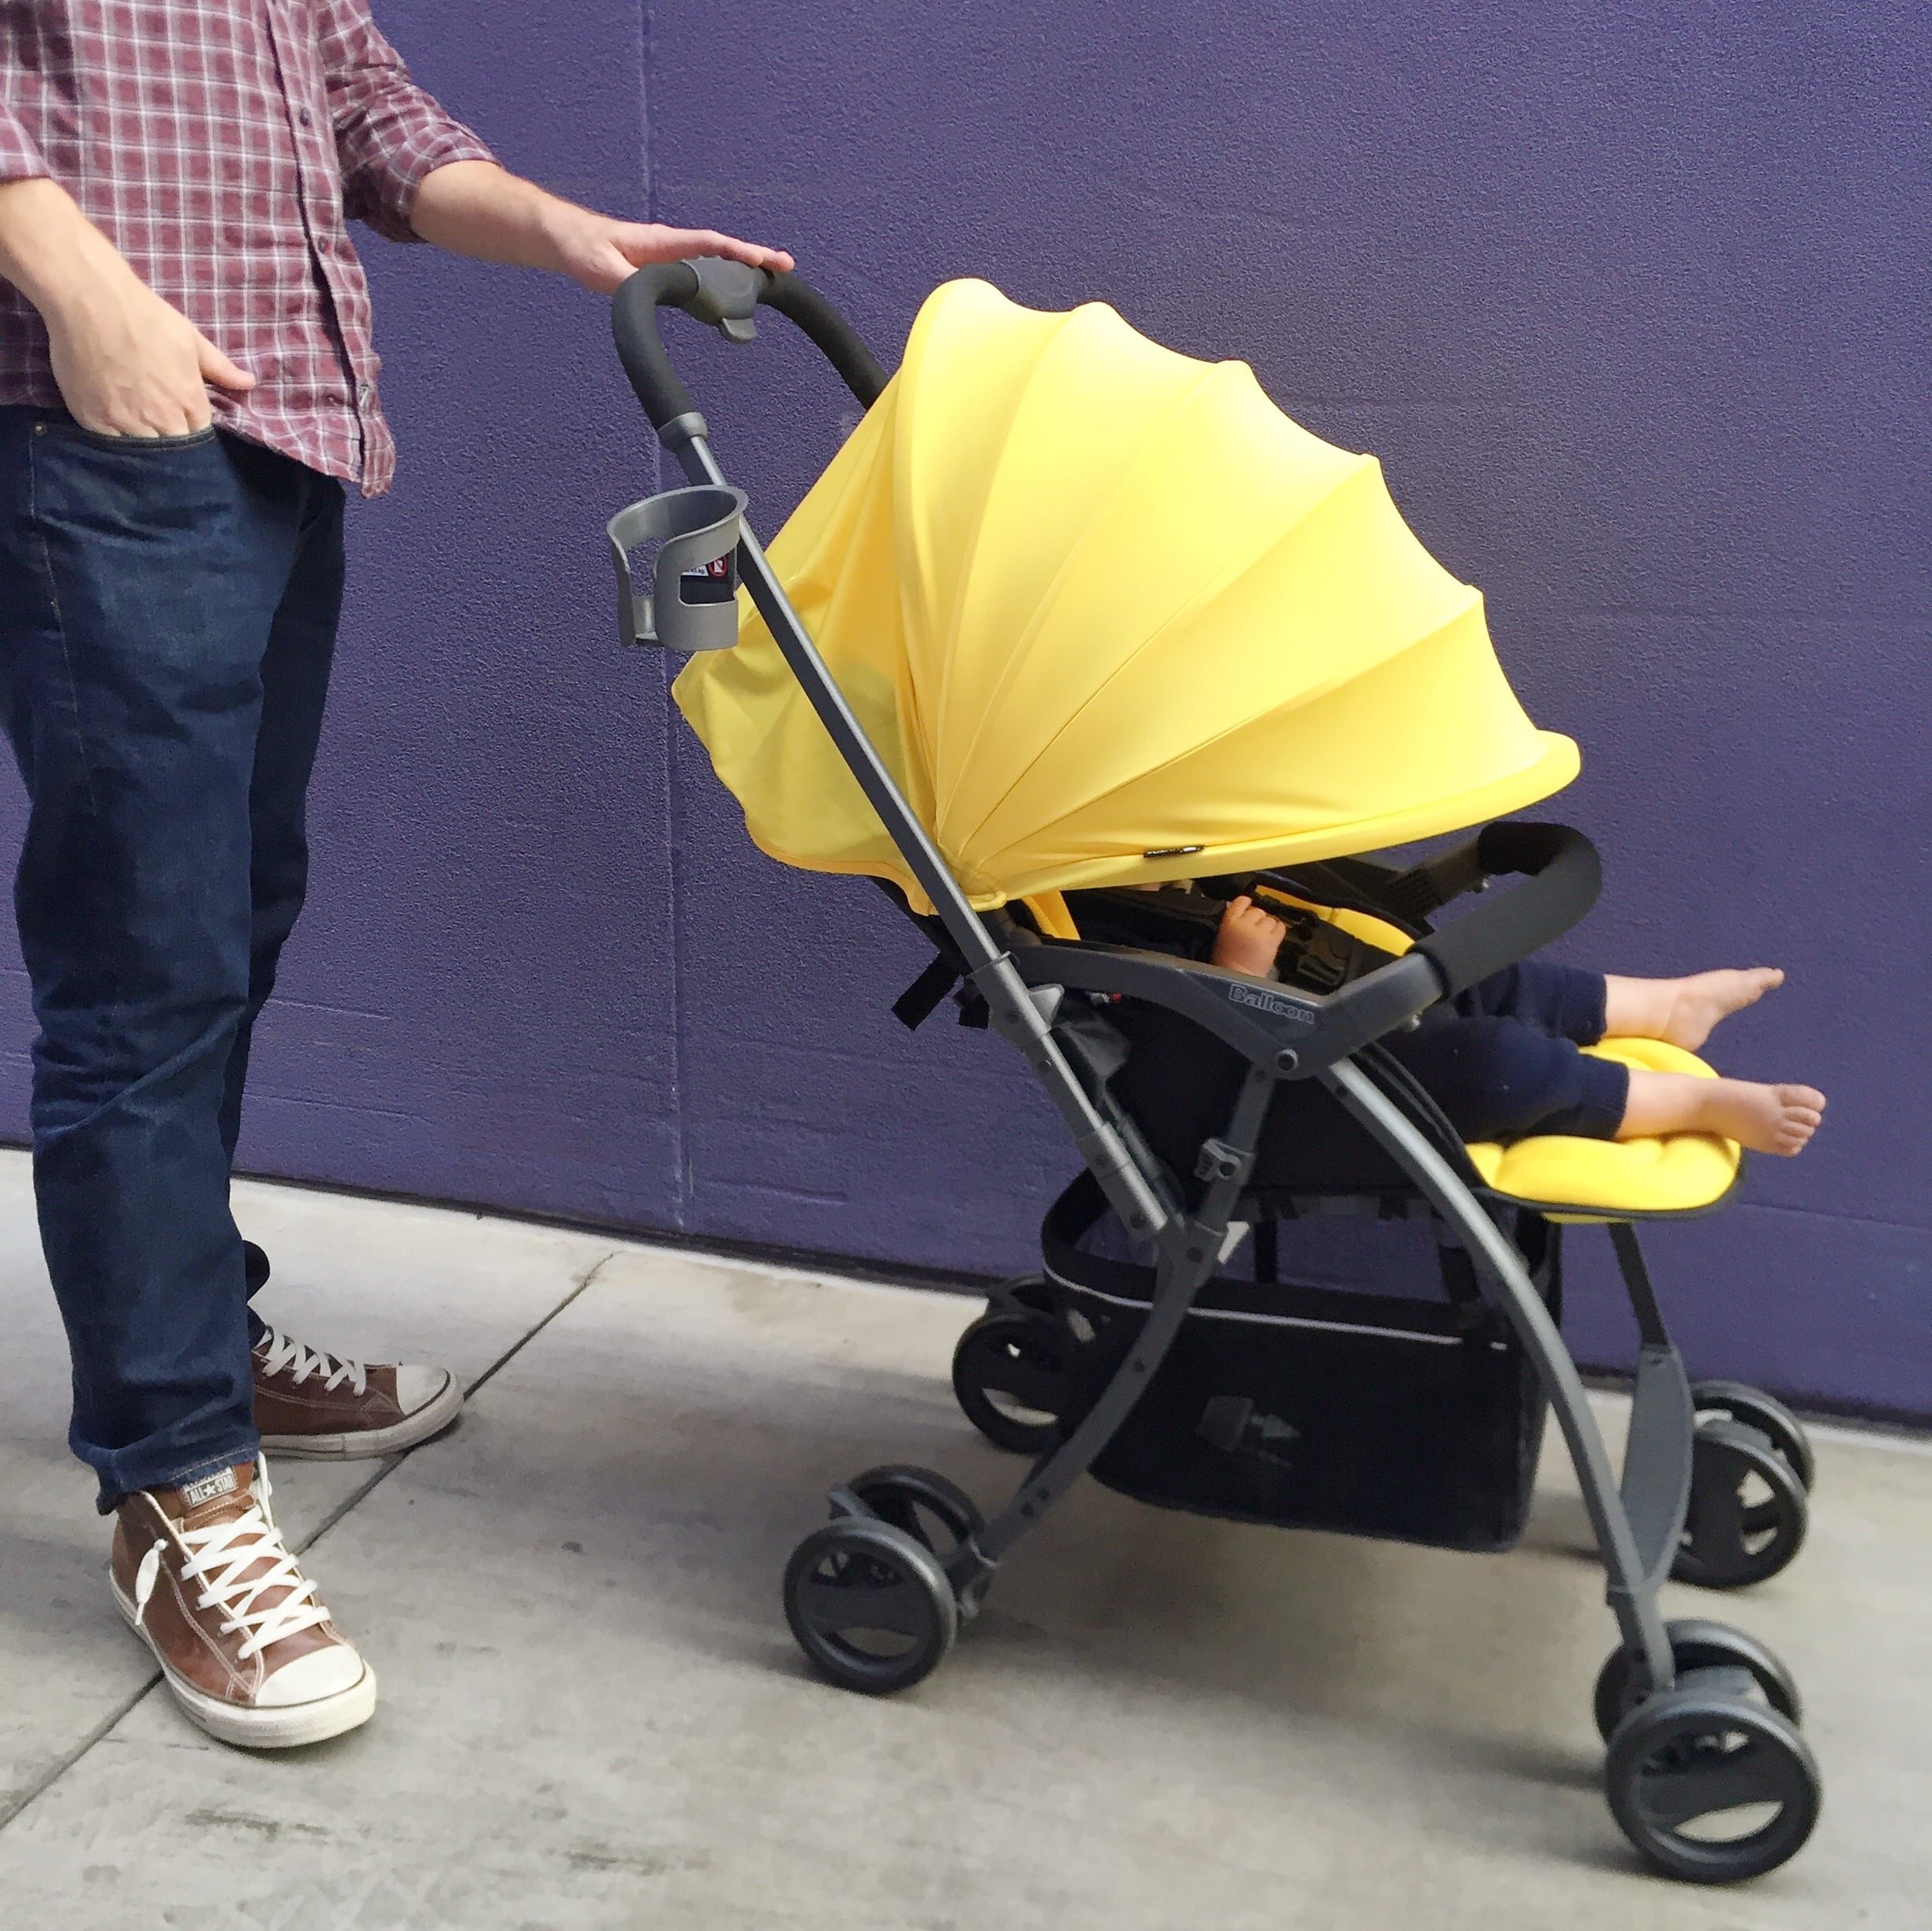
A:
1623	1179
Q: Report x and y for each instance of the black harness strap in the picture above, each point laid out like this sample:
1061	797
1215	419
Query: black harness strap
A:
919	1001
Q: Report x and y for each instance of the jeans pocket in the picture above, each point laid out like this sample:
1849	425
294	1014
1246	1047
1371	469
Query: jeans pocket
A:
150	445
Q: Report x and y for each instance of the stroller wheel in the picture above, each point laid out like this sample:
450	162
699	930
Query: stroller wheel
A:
1023	1290
870	1605
1009	1371
1748	1510
1734	1401
1698	1645
1711	1786
932	1511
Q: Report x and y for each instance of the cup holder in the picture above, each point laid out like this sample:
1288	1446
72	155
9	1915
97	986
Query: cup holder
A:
692	604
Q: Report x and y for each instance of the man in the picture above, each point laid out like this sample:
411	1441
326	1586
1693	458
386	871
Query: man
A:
186	382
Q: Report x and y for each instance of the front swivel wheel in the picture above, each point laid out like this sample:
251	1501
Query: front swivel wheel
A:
1710	1786
1696	1644
929	1507
870	1605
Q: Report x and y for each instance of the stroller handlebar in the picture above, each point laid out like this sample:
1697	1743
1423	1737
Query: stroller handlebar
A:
1564	876
835	337
633	322
724	294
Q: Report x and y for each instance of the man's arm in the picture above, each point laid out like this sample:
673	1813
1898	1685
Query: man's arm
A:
474	208
412	172
128	363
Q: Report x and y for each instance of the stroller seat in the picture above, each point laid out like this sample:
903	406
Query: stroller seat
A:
1570	1179
1574	1179
1600	1179
1068	614
1567	1179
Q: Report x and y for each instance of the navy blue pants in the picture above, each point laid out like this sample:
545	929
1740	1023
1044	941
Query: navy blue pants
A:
167	620
1501	1060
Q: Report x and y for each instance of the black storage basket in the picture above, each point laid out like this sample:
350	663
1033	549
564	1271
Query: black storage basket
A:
1417	1420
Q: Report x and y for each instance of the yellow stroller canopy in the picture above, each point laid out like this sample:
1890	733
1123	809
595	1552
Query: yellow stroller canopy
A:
1109	616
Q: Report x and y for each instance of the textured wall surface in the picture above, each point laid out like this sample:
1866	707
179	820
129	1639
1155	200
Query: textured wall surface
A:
1629	302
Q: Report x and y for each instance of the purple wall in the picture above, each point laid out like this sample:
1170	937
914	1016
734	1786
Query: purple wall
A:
1631	307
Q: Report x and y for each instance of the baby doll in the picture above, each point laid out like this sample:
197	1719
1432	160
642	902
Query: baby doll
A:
1502	1061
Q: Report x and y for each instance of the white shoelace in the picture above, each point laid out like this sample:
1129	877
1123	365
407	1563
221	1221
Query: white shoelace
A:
217	1556
279	1351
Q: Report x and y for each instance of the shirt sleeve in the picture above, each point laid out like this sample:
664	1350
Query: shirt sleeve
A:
389	133
21	158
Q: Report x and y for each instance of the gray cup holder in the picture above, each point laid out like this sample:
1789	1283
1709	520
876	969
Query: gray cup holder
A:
692	603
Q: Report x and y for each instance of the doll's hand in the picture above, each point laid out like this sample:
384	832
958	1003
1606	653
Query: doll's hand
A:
1248	940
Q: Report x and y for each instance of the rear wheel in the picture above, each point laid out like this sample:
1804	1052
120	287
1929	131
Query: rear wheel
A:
1748	1511
1023	1290
1009	1371
1733	1401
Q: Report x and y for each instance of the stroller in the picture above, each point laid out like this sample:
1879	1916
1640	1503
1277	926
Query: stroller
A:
1074	640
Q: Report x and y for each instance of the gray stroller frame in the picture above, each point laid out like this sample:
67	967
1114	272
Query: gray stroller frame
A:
1700	1720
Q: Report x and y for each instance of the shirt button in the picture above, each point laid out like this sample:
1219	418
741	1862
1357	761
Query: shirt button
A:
306	118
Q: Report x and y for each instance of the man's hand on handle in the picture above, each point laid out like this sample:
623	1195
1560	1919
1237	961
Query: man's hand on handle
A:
127	362
602	253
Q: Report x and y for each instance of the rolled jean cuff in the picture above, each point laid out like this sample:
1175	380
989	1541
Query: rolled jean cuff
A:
134	1479
1605	1095
1580	1001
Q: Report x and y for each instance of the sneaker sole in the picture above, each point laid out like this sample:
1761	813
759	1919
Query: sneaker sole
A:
259	1730
367	1444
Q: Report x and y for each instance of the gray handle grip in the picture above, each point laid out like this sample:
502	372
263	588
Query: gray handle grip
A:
695	528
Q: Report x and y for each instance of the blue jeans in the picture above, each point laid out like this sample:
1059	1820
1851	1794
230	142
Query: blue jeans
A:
168	619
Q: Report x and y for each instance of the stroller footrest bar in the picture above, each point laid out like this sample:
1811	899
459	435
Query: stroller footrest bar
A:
1656	1459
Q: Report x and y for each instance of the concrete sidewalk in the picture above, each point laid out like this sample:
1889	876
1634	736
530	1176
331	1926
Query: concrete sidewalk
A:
593	1715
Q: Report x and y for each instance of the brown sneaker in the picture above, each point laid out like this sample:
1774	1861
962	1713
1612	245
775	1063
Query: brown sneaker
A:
307	1403
204	1577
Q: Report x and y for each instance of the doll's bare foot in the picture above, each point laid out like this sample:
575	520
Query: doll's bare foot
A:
1767	1119
1685	1012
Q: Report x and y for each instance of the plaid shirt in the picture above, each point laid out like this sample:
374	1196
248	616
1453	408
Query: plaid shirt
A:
222	145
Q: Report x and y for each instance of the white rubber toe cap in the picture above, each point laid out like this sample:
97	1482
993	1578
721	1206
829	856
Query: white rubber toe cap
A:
321	1673
416	1387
